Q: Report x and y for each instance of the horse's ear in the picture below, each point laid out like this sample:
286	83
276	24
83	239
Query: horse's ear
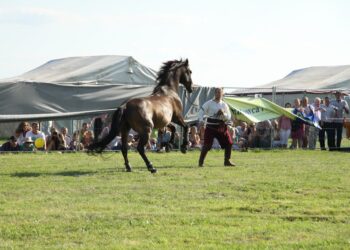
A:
186	62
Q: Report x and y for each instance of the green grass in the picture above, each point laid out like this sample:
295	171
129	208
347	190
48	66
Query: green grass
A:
272	199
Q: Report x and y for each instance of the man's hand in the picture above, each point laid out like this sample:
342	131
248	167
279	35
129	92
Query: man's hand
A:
220	112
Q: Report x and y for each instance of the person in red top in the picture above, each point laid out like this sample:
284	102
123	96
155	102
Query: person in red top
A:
284	126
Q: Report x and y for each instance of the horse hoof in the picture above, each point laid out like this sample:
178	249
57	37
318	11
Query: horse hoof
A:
128	168
183	148
153	170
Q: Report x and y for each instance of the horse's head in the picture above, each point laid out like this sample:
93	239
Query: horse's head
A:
185	73
174	72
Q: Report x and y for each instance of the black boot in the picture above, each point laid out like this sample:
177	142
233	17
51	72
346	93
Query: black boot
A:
228	156
202	156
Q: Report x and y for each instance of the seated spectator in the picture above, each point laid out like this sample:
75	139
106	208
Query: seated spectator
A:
35	133
75	144
88	138
28	145
216	144
55	141
261	138
51	130
194	138
10	145
115	144
177	140
164	136
83	130
252	133
152	145
242	136
67	138
21	132
233	132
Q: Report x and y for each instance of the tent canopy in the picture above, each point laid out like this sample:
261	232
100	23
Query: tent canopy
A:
84	86
321	77
90	70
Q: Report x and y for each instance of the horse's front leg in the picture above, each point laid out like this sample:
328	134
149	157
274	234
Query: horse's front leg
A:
180	121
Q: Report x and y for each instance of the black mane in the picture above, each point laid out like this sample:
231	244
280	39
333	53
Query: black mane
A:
163	74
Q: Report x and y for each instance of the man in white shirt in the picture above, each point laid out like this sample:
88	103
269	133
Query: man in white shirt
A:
338	120
327	113
35	133
217	113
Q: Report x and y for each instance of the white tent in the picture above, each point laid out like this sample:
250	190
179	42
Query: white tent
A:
90	70
312	82
83	86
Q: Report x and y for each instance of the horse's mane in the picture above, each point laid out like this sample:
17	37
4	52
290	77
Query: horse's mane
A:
164	73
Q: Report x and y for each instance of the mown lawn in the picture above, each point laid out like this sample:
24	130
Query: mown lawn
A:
272	199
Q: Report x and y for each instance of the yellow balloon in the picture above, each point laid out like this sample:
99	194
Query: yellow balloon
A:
39	143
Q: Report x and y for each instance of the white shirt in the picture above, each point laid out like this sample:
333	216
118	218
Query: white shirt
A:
327	113
317	112
341	105
35	136
68	140
211	108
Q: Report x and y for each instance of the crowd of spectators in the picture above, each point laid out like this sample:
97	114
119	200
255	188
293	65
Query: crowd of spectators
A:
28	137
282	132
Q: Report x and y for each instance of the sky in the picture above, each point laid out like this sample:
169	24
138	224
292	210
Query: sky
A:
228	43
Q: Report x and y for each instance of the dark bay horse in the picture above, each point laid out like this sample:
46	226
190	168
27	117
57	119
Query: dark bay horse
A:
158	110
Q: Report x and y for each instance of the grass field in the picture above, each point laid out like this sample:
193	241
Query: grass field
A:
272	199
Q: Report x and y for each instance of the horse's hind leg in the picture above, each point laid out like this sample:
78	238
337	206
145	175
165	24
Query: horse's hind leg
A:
172	138
143	140
124	134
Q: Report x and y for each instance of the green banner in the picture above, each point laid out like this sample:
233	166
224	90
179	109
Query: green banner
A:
250	109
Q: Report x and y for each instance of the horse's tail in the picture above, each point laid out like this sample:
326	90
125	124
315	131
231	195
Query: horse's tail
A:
97	128
99	146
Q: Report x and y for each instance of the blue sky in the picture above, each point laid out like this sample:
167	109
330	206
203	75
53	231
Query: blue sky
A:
228	43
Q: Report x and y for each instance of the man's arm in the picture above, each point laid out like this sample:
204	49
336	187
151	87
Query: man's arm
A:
346	107
227	113
203	111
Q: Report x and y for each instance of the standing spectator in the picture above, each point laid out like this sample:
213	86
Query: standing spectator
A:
306	109
35	133
285	127
218	114
313	131
341	105
327	114
10	145
297	130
